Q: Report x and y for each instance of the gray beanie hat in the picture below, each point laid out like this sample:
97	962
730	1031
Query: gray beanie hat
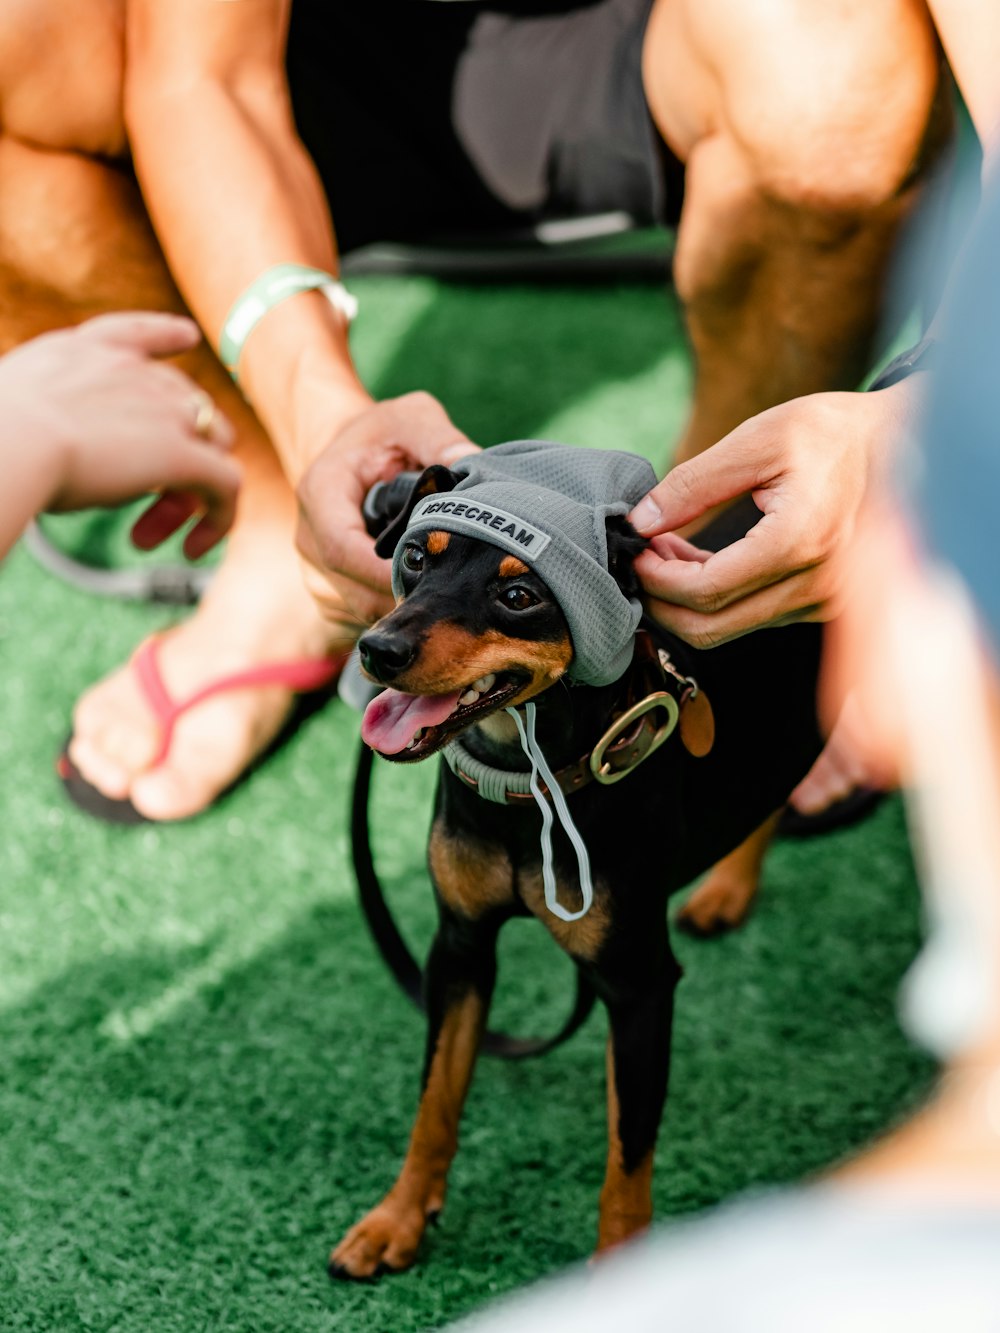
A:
547	504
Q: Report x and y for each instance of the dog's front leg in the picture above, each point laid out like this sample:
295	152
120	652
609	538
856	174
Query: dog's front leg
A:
726	894
460	975
640	1008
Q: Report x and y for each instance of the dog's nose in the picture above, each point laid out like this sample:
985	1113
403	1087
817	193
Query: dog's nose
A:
385	656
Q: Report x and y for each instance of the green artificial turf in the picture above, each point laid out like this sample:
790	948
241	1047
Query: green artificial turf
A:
205	1072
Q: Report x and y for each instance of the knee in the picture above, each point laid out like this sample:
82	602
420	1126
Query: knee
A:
830	112
841	162
60	82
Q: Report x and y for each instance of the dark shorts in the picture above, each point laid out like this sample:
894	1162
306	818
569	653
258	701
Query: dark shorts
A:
430	119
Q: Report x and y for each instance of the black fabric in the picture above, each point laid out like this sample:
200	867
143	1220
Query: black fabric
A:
552	111
373	95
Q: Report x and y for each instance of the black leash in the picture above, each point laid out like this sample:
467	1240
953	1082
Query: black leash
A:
396	953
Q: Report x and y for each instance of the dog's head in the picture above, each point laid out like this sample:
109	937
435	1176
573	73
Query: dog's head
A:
475	630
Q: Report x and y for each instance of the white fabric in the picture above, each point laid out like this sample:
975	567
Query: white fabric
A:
533	750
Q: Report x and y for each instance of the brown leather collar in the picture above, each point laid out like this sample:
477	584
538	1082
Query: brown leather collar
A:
654	696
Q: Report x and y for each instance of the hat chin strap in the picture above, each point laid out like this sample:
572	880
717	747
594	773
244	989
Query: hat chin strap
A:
533	751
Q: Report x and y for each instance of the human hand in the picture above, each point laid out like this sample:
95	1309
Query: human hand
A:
111	423
807	465
410	432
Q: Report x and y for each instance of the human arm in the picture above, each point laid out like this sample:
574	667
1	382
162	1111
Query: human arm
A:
232	192
807	461
90	418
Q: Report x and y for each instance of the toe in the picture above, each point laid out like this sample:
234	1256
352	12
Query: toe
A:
829	780
165	795
115	735
209	750
820	790
98	769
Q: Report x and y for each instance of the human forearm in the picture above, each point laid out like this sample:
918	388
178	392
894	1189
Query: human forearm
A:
232	192
30	466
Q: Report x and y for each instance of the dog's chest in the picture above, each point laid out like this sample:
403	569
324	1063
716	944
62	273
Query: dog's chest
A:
480	872
581	939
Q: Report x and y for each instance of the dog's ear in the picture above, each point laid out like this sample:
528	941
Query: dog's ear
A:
400	497
624	544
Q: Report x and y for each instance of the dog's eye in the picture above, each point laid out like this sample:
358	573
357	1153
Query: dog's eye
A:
413	558
518	598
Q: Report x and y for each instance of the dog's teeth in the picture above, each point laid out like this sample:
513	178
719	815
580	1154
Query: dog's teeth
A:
469	697
484	683
410	744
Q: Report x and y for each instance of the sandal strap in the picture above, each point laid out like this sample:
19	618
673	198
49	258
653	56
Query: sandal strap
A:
301	676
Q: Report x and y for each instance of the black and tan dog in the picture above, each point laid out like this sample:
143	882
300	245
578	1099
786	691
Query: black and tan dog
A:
477	632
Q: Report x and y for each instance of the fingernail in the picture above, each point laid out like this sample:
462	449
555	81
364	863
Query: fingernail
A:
646	514
456	451
202	537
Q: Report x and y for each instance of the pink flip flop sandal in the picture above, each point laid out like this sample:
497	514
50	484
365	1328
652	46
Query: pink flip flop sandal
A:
311	679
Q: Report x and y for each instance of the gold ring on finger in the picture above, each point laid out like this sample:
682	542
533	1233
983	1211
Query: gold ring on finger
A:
204	415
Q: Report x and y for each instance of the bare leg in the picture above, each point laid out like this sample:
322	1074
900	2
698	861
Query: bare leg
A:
75	241
802	132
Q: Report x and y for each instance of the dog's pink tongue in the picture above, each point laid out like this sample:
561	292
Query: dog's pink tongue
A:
392	719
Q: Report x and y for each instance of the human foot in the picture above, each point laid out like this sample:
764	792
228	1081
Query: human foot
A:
844	772
117	743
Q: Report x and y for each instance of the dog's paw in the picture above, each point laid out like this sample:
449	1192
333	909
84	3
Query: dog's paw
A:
386	1240
721	903
616	1231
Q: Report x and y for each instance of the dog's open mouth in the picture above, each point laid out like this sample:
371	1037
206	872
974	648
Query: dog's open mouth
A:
406	727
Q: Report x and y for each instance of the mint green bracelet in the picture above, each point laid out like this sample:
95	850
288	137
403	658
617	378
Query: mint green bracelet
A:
270	289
